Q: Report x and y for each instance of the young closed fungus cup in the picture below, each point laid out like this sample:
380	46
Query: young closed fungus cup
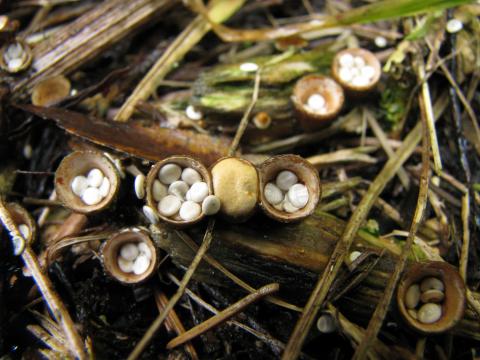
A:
153	181
236	184
306	174
453	301
78	165
317	99
24	221
112	251
357	70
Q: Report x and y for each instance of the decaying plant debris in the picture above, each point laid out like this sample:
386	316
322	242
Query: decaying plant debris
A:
135	82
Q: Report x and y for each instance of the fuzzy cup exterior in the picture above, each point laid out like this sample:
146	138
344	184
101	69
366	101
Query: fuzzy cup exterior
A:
80	163
306	175
21	216
370	60
453	305
328	89
183	162
111	251
236	184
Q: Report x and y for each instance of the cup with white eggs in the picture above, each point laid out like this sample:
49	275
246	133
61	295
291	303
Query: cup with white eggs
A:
26	225
86	181
179	191
357	70
289	188
317	99
130	256
431	297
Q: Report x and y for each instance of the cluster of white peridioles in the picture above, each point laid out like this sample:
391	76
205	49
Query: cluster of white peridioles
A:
134	258
92	188
182	193
286	194
354	70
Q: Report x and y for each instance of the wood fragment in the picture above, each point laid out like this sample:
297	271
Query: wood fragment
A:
152	143
222	316
88	36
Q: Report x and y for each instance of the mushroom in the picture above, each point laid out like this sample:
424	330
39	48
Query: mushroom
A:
235	183
51	91
86	181
130	256
292	179
176	188
357	70
317	99
435	313
15	56
24	221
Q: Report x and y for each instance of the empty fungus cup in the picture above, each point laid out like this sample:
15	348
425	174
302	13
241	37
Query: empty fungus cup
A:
74	186
236	184
51	91
317	99
117	250
357	70
176	190
452	303
275	183
24	221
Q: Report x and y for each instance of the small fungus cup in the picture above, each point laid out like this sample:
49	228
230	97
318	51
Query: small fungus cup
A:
357	70
431	297
130	256
51	91
86	181
289	188
24	221
317	99
15	56
179	191
236	184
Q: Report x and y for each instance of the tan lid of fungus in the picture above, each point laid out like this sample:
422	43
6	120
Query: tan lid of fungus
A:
236	184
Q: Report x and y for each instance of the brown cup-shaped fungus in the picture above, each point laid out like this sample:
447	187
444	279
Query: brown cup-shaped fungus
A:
15	56
130	256
86	181
452	305
51	91
357	70
24	221
306	174
168	202
236	184
317	99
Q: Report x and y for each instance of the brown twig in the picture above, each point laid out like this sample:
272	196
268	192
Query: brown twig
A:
382	307
319	293
147	337
222	316
174	321
53	301
276	345
217	265
244	122
466	235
